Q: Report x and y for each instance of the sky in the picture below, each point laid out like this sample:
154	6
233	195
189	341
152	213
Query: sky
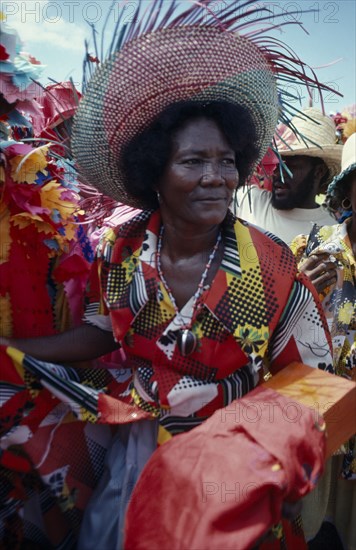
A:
54	32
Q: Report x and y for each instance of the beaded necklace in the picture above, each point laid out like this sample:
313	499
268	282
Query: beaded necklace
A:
186	339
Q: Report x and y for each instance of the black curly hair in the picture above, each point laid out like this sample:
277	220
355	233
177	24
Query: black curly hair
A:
145	158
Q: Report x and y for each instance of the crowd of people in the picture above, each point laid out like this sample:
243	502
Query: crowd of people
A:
170	240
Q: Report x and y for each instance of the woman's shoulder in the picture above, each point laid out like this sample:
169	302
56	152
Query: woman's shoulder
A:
127	232
253	242
257	233
133	226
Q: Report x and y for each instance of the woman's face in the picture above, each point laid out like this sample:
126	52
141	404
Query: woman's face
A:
198	182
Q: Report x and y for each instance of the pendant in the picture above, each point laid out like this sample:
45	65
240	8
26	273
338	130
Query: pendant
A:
186	342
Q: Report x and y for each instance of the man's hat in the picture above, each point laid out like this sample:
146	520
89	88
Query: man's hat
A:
312	134
195	56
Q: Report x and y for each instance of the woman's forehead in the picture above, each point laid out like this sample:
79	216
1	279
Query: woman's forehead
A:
199	133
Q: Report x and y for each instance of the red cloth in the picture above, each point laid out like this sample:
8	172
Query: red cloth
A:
222	485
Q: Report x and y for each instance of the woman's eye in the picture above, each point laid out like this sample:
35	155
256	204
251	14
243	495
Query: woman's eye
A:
191	162
229	162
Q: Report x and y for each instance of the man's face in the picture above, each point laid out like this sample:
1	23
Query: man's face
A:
297	191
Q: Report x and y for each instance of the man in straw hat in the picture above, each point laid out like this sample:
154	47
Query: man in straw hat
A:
172	123
311	160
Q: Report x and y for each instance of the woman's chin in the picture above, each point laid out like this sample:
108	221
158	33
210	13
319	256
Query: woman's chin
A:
210	213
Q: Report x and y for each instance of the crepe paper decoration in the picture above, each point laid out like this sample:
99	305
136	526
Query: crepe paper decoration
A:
14	118
3	53
52	244
23	220
68	173
42	178
69	195
33	60
51	197
14	148
17	69
58	103
24	169
25	278
262	176
23	197
39	226
22	67
66	236
12	93
71	267
55	215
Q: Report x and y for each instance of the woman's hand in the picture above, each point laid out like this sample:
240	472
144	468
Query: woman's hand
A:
320	270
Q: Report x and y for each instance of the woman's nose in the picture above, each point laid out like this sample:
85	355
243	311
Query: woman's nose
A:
212	173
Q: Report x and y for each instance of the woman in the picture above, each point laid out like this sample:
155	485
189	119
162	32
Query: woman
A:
327	256
203	305
171	289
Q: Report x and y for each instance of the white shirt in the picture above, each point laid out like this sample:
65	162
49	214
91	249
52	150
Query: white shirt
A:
286	224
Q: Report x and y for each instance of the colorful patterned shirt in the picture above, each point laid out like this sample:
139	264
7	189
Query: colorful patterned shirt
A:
339	304
258	315
339	300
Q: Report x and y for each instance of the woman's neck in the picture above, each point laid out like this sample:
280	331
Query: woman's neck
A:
182	241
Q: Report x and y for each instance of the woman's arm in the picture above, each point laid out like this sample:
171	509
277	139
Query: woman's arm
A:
78	344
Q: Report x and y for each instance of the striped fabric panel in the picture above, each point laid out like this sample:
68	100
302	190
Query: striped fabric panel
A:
56	380
237	385
92	309
231	259
274	238
177	424
299	300
234	387
7	391
138	295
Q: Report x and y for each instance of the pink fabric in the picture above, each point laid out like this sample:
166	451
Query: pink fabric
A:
58	102
120	215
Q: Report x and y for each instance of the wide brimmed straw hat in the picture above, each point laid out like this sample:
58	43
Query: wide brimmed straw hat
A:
191	57
312	134
348	163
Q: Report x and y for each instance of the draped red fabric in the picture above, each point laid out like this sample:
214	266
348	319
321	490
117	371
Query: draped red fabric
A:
222	485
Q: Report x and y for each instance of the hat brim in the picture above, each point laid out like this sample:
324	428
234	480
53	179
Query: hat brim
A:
339	179
330	154
154	71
